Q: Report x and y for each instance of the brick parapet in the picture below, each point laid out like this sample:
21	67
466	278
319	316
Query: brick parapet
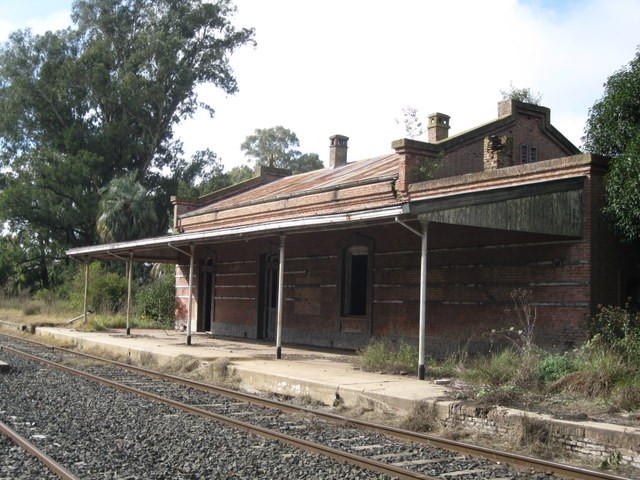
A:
583	438
556	169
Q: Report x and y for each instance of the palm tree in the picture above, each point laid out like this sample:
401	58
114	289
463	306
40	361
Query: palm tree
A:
126	211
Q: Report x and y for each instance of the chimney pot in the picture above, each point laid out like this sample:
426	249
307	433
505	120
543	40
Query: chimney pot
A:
438	128
338	150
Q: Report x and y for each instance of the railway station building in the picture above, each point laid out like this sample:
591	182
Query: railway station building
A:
423	244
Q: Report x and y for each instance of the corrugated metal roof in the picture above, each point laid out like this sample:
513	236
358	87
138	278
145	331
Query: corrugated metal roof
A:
360	171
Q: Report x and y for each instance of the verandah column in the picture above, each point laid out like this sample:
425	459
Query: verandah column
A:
130	276
190	294
423	300
423	292
86	290
280	299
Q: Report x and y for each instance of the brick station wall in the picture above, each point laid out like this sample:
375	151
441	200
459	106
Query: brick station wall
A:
469	285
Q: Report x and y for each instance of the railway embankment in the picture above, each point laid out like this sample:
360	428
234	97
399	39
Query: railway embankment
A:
329	377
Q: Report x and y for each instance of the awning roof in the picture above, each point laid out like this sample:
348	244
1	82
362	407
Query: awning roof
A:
169	248
543	198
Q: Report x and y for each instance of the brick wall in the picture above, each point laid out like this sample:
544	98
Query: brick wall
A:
598	442
469	156
471	271
469	285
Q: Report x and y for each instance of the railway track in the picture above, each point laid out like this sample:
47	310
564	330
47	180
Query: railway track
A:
29	449
386	450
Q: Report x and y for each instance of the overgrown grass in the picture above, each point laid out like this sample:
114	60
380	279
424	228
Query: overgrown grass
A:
49	311
384	357
101	323
497	369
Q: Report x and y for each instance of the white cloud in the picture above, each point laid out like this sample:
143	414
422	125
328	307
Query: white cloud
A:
38	23
349	67
330	66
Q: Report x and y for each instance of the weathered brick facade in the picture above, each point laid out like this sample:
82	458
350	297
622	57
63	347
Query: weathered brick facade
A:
473	264
509	204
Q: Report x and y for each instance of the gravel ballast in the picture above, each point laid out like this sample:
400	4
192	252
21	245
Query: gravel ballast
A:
101	433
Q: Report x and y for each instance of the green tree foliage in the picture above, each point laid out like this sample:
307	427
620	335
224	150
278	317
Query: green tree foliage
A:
207	173
107	291
156	300
240	174
126	211
82	106
613	129
521	94
276	147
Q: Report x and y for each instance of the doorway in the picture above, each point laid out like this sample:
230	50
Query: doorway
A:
206	295
267	314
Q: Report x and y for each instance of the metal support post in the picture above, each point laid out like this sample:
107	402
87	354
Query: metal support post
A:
130	277
191	259
423	301
423	292
86	290
280	299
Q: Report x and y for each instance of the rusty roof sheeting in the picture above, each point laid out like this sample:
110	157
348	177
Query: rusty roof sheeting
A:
360	171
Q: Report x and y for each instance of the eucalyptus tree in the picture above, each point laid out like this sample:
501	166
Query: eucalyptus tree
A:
277	147
82	106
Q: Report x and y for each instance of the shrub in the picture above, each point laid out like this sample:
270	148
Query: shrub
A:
618	329
107	292
552	367
601	369
31	308
156	300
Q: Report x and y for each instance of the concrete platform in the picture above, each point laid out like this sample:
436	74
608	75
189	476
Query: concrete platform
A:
301	371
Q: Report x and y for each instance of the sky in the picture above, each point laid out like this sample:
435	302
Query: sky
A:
325	67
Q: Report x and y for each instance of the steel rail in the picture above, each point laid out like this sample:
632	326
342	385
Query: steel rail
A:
351	459
523	461
34	451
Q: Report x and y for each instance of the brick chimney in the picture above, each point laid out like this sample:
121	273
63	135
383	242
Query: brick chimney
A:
438	128
505	107
338	151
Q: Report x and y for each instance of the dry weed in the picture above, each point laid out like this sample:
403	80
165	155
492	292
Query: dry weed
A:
423	417
534	437
588	384
147	360
182	364
220	372
308	401
371	410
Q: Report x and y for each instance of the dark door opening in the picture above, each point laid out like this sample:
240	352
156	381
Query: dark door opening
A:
268	296
358	293
206	299
355	281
